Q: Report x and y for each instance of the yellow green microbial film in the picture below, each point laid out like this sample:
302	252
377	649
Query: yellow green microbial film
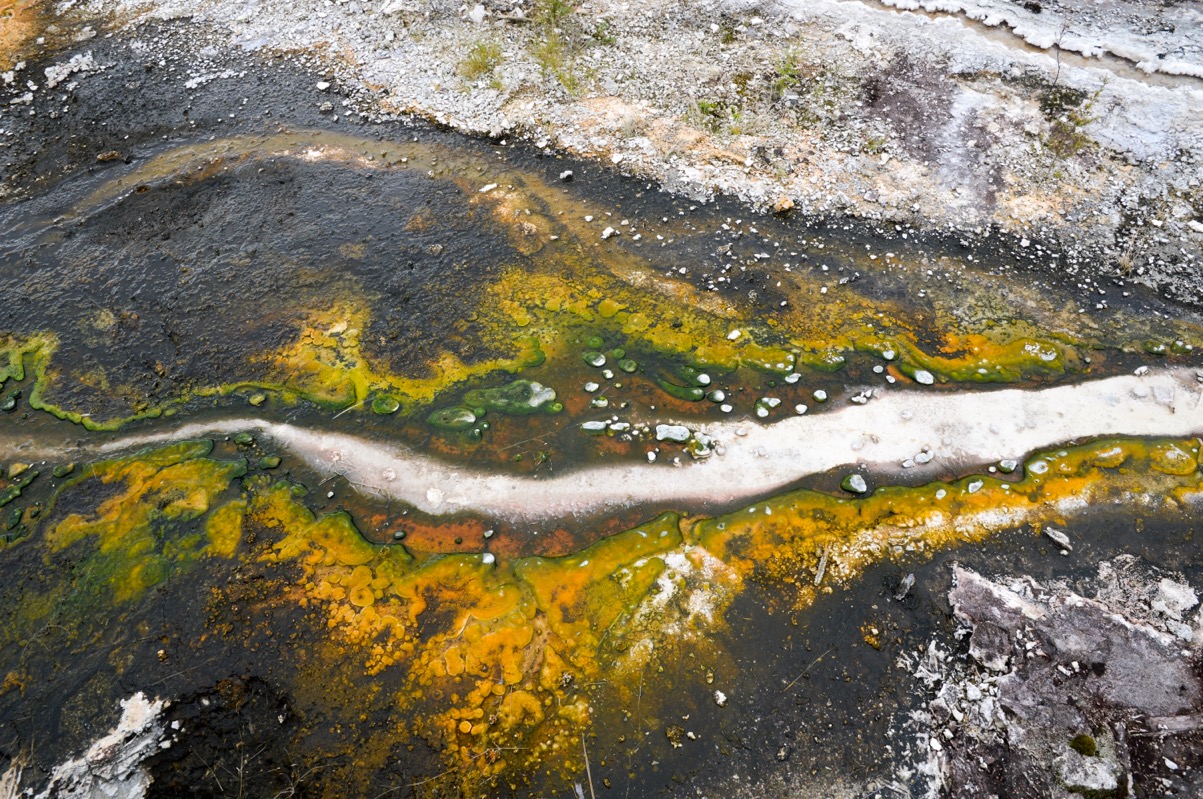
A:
501	664
668	295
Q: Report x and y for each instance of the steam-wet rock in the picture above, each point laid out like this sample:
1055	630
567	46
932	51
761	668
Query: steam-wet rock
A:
594	428
1067	695
452	419
384	405
1088	776
1061	539
854	484
112	766
675	433
518	398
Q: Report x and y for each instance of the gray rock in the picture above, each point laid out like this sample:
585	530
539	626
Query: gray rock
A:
1080	773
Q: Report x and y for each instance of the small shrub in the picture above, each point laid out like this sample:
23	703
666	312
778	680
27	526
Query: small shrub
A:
552	13
481	60
603	33
556	60
1069	112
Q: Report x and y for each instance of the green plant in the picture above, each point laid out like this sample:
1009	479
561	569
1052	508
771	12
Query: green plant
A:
1067	136
552	13
874	145
718	116
557	60
602	33
481	60
788	76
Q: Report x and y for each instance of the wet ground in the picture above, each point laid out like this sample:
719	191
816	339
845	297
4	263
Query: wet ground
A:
177	254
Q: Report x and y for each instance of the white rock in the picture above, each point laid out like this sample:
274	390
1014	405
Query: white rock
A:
1061	539
672	432
1175	597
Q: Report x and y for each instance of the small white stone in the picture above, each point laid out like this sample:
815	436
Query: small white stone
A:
720	699
672	432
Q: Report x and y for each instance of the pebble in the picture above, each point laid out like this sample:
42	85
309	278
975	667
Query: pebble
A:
608	232
924	377
720	699
1060	538
820	395
672	432
566	175
854	484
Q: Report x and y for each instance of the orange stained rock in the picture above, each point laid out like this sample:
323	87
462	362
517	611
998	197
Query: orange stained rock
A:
20	22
